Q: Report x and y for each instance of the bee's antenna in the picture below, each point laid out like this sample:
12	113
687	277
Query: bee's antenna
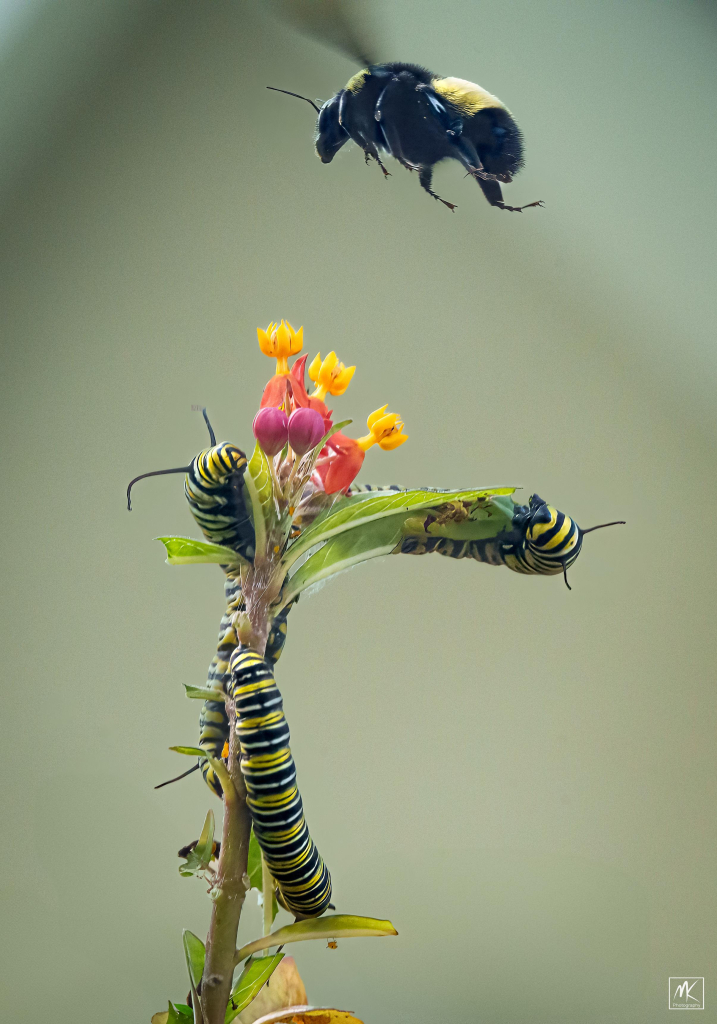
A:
618	522
287	93
178	777
155	472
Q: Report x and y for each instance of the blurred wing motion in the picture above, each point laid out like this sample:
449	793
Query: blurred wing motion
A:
332	22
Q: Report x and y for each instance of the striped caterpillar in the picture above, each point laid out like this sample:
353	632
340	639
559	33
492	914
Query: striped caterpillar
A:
215	491
541	541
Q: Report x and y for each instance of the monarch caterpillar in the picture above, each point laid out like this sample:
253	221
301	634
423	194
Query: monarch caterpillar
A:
214	486
541	542
213	721
273	798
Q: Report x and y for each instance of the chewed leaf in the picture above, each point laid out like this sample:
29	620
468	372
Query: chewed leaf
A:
358	510
253	978
191	751
258	482
309	1015
335	926
187	551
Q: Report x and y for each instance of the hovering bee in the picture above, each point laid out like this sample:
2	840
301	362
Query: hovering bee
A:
415	116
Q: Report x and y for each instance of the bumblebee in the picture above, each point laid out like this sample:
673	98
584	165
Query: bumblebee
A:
420	119
406	111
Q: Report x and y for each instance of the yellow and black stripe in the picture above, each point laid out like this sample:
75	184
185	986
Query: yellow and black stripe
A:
214	486
541	542
213	721
551	542
273	798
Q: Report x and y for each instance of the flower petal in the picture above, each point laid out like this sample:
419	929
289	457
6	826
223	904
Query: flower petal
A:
375	416
344	465
275	392
392	441
314	368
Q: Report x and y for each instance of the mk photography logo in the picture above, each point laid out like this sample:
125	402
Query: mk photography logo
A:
687	994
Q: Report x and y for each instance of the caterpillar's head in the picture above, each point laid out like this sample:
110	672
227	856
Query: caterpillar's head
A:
552	539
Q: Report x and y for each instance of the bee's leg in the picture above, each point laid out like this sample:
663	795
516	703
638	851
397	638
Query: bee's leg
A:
371	151
492	191
346	120
425	177
467	154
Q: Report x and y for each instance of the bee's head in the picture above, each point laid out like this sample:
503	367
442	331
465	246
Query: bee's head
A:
499	143
330	135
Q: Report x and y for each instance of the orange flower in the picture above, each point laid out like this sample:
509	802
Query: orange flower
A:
330	376
386	430
280	342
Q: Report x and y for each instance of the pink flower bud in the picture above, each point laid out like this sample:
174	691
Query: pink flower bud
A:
271	429
306	428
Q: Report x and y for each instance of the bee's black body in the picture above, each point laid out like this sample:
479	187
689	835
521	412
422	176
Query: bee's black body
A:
419	119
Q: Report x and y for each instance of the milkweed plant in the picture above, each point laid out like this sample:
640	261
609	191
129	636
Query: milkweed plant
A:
278	523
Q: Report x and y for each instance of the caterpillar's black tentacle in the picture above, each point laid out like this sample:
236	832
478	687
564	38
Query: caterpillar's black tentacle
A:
212	438
155	472
617	522
177	778
273	798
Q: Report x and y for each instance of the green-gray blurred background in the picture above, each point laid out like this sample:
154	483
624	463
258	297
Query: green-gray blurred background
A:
521	778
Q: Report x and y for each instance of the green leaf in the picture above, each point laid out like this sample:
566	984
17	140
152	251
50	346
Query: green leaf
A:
203	693
343	551
178	1013
374	526
254	871
198	859
253	868
191	751
253	978
260	488
187	551
336	926
360	509
194	954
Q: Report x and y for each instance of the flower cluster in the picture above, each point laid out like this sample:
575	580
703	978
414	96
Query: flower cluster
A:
291	422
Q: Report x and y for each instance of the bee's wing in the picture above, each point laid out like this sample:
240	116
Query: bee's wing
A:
333	22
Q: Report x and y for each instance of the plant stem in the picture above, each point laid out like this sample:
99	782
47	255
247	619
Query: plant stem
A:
231	886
